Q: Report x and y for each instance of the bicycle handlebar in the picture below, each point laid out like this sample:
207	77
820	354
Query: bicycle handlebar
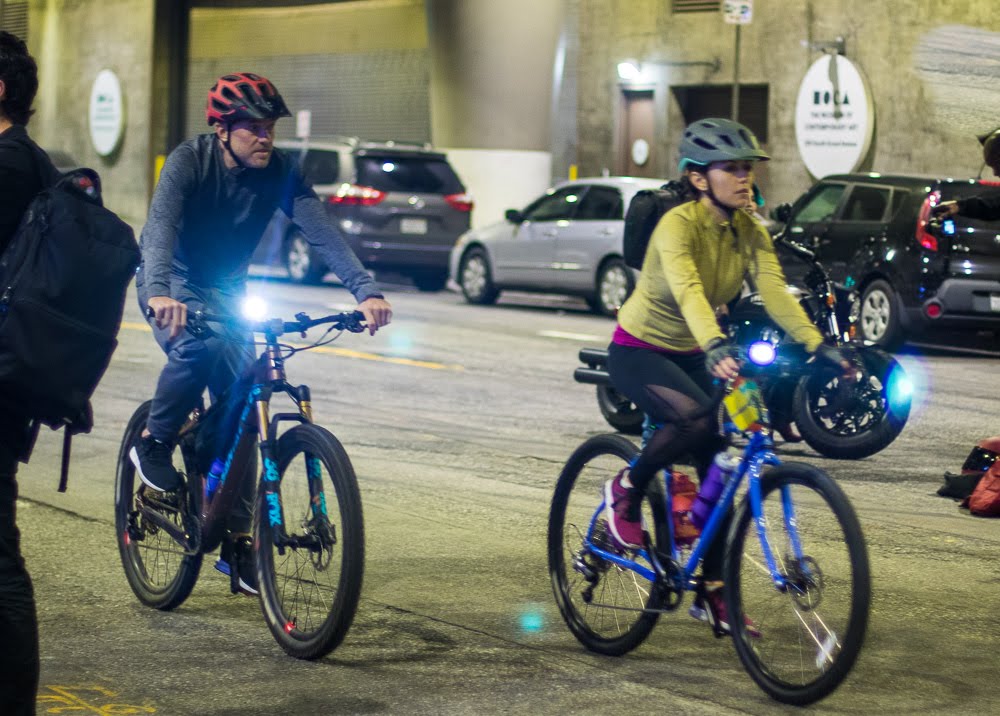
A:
197	323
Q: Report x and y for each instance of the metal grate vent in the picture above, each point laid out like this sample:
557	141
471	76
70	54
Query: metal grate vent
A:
695	6
14	17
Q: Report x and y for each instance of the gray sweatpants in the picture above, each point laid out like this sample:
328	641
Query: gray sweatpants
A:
196	363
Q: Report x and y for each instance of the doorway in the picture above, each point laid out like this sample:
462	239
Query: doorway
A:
635	152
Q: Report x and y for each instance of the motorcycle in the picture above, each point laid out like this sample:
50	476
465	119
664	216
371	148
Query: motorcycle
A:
836	418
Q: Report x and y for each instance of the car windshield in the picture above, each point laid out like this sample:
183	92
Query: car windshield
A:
408	174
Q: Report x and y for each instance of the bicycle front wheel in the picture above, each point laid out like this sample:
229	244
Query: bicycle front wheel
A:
159	571
310	577
610	609
798	639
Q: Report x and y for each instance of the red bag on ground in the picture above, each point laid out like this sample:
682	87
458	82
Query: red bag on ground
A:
985	499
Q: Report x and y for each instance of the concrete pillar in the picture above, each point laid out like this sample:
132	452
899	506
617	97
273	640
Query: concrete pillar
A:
491	66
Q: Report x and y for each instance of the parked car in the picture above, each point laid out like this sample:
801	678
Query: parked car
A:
567	241
873	232
401	207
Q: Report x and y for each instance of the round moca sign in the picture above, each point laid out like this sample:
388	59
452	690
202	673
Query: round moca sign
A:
107	113
834	117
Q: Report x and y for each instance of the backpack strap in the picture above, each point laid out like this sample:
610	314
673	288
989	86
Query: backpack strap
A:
64	470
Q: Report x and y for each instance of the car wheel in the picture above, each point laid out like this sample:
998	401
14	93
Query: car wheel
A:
879	319
614	285
475	278
430	280
303	265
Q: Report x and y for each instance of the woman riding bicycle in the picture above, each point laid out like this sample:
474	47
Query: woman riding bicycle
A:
668	347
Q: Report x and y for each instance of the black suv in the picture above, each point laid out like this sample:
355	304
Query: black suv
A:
873	232
401	207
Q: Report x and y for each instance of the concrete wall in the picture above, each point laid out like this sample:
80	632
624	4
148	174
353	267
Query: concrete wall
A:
73	40
931	66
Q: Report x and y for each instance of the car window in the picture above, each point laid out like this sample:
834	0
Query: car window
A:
556	206
321	166
600	203
408	174
821	205
866	203
898	197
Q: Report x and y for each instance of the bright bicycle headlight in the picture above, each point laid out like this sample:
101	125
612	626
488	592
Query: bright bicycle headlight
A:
762	353
254	308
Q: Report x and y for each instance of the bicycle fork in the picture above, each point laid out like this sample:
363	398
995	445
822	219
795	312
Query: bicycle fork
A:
320	534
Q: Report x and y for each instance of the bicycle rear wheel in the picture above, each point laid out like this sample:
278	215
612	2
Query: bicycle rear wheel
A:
159	571
310	582
811	631
609	609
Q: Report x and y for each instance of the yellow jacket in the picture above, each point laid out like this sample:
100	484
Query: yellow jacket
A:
693	265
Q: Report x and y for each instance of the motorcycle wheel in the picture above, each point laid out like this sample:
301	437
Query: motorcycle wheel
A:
620	412
862	426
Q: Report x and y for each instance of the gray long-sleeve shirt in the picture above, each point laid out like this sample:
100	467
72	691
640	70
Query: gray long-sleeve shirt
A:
205	221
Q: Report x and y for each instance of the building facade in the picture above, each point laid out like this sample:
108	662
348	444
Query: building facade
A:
522	93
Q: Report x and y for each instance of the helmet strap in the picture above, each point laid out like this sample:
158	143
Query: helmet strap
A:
710	193
228	146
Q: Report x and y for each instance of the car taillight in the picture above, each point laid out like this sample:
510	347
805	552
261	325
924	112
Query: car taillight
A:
924	237
462	202
356	195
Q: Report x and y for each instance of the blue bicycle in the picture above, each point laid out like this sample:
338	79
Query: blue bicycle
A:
796	560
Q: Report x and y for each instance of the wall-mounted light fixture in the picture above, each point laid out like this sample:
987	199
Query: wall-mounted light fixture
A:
631	70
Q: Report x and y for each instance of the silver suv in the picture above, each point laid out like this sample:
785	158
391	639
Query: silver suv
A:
401	207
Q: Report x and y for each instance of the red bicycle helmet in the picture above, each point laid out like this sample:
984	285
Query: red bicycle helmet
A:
244	95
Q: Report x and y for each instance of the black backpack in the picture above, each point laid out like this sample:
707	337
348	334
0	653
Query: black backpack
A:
644	212
63	279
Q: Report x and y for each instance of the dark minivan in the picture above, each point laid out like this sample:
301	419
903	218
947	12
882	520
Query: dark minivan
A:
401	207
874	232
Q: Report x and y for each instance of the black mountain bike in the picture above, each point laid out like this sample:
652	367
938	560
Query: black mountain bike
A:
308	531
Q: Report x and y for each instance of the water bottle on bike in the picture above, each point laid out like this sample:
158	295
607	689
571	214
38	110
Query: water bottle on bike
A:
213	478
718	475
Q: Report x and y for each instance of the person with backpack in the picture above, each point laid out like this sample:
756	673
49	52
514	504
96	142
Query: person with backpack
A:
24	172
668	348
215	196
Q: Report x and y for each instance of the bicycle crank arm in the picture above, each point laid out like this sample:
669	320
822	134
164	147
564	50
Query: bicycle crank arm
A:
178	535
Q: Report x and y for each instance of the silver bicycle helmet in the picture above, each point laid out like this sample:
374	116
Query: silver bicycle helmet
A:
717	140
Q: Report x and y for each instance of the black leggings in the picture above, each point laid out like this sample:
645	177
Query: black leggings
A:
674	390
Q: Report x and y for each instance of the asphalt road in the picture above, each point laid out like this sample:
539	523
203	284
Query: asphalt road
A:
457	419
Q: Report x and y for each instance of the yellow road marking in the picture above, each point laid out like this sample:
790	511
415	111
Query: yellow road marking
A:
343	352
57	699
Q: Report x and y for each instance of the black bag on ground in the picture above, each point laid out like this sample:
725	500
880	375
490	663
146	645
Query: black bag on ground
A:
63	279
982	457
644	212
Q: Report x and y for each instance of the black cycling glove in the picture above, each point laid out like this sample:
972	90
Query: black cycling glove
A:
717	350
836	357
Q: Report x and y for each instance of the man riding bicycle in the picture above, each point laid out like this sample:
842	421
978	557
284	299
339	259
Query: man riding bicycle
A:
215	196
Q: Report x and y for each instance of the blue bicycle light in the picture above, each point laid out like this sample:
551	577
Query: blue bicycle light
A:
899	390
254	308
948	227
762	353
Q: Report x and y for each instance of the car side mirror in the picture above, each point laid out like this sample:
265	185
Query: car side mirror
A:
782	213
514	216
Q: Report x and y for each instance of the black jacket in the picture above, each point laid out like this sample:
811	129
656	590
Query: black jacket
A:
985	207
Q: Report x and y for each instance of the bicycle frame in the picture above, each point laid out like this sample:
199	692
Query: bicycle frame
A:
255	423
757	453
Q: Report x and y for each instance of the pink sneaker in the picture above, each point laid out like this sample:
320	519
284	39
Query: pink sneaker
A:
715	611
623	513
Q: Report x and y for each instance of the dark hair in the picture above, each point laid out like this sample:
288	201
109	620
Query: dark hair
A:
20	77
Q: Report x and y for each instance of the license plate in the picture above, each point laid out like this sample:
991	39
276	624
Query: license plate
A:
994	302
413	226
